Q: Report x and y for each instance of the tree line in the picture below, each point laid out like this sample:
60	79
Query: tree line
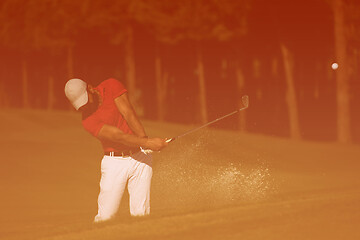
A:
57	25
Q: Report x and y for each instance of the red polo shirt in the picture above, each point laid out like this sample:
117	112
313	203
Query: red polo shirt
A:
108	113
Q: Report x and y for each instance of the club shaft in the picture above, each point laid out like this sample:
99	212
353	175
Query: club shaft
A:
207	124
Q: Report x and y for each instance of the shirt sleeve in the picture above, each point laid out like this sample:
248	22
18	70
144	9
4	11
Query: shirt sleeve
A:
92	125
117	88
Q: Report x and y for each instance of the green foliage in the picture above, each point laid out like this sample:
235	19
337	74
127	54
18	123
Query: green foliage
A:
352	10
351	17
172	21
40	23
110	17
13	24
56	23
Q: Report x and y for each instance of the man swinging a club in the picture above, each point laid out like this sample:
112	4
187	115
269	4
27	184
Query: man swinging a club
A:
109	116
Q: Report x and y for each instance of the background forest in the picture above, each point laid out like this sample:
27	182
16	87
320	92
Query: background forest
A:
190	61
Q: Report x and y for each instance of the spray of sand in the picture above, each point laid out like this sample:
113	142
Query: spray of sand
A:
193	177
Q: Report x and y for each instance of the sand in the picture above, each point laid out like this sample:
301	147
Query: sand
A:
212	184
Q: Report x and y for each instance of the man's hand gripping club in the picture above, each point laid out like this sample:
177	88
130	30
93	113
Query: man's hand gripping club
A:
155	145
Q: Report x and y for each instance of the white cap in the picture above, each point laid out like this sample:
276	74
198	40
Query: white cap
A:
75	91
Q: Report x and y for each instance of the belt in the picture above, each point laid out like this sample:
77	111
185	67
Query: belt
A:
126	153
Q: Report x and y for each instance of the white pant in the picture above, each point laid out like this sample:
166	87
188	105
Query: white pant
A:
115	173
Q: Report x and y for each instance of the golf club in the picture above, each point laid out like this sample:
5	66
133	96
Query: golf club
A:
245	104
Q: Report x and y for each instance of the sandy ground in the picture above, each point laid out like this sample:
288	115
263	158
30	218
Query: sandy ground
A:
209	185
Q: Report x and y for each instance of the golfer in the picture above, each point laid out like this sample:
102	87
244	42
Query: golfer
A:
109	116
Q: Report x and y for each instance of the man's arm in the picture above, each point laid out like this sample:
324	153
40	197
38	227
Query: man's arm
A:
127	111
108	132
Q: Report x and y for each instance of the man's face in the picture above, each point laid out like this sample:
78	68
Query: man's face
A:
92	94
93	102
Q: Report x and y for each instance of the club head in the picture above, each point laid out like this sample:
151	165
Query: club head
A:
245	100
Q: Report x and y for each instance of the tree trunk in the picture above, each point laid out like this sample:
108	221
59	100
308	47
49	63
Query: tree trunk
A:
161	86
70	62
25	88
134	93
240	83
4	101
291	94
70	67
202	90
257	74
342	85
51	97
